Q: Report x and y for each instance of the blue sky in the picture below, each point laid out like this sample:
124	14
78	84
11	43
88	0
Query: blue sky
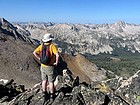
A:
71	11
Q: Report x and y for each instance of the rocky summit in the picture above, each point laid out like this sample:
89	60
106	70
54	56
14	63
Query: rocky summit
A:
69	91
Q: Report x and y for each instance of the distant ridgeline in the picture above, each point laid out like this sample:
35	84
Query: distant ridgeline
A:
93	39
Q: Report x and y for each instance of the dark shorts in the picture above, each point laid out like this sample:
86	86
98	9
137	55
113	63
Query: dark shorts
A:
47	73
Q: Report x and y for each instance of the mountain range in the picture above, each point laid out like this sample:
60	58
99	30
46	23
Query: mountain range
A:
91	39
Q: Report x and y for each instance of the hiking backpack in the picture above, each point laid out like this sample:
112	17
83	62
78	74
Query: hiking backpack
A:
45	54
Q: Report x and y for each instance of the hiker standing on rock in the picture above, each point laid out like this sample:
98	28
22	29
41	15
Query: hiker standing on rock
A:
47	54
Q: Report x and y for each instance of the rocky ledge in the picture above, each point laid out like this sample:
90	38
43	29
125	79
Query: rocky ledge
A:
69	91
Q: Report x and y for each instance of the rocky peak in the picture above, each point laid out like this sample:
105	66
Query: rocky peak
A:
6	25
120	23
1	21
119	26
15	32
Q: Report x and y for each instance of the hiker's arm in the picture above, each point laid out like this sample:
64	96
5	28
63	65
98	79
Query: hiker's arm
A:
36	55
57	59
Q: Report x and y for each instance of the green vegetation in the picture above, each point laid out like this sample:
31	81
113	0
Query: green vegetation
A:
125	65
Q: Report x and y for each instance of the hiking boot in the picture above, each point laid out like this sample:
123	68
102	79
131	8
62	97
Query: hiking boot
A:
51	97
45	96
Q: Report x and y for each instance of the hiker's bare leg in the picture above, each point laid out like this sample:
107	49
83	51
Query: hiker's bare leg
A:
51	87
44	85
